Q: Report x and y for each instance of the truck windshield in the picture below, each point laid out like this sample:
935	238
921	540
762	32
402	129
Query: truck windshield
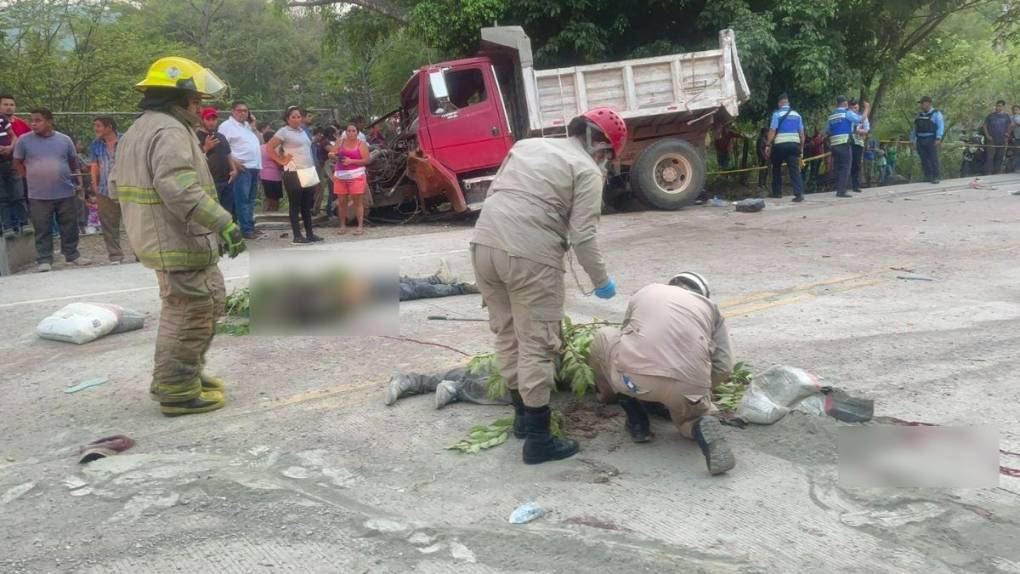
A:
466	88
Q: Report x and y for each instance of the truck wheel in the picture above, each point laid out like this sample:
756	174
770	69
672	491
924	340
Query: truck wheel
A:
668	174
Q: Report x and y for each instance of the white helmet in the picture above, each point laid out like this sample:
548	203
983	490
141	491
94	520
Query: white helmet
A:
691	281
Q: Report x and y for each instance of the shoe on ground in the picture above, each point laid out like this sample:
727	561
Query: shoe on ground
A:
44	268
539	444
858	190
81	262
206	401
936	181
469	288
798	198
775	196
299	240
250	235
116	261
314	238
444	274
446	393
708	433
844	194
9	234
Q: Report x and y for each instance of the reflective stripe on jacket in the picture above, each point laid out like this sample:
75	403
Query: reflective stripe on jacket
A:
167	194
840	127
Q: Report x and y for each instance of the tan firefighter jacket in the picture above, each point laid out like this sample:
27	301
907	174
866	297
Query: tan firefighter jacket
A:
166	194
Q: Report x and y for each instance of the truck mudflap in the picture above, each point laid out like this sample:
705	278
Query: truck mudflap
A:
434	180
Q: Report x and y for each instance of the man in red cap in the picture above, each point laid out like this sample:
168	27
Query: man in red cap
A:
222	165
546	198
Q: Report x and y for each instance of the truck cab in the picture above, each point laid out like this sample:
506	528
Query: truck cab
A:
457	113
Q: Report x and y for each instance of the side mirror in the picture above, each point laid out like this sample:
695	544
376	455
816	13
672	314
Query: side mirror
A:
438	83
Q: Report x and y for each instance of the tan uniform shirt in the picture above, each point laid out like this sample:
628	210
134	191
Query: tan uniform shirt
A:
546	198
671	332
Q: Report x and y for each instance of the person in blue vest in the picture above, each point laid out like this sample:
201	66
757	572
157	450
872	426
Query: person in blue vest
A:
841	124
857	139
785	143
929	127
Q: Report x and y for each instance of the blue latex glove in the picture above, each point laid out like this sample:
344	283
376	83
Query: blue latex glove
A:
607	291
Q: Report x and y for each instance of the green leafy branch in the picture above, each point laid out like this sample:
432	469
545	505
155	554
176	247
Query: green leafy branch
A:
238	313
729	394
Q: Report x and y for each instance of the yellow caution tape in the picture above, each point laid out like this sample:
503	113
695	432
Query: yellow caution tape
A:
803	162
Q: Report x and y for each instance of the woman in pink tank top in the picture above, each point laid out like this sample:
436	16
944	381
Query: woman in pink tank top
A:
349	181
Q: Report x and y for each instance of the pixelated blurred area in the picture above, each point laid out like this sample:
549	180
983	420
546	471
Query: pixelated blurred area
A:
306	293
918	457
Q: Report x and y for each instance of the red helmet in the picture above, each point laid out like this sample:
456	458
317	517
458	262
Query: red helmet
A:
611	124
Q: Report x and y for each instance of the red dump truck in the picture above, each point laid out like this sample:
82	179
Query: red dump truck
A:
457	120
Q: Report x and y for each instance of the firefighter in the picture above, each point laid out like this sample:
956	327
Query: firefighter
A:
672	348
177	228
545	199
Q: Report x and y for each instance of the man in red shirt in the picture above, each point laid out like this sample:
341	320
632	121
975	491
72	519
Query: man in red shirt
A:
12	187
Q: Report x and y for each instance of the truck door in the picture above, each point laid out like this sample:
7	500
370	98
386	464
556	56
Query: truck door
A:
467	125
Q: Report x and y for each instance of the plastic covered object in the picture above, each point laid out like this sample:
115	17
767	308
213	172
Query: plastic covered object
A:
750	205
81	323
773	392
526	513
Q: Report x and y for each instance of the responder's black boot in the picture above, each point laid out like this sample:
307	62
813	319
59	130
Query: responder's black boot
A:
518	402
637	419
540	445
708	432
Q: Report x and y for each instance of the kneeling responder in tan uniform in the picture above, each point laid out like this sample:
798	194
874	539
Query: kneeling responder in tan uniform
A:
176	227
546	198
673	346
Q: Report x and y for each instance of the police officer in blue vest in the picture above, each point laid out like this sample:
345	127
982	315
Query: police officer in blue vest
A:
786	144
929	127
841	127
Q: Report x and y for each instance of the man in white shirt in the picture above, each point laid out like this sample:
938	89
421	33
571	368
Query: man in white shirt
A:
245	145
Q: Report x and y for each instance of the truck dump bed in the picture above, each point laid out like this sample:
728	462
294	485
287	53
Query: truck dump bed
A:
678	83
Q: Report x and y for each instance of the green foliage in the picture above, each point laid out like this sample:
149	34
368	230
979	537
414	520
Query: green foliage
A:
451	26
572	365
238	313
572	369
239	303
495	384
484	436
728	394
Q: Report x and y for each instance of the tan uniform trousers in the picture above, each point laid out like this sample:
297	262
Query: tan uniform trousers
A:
109	223
682	410
192	302
525	301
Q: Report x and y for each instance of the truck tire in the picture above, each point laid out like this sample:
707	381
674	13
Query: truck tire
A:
668	174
